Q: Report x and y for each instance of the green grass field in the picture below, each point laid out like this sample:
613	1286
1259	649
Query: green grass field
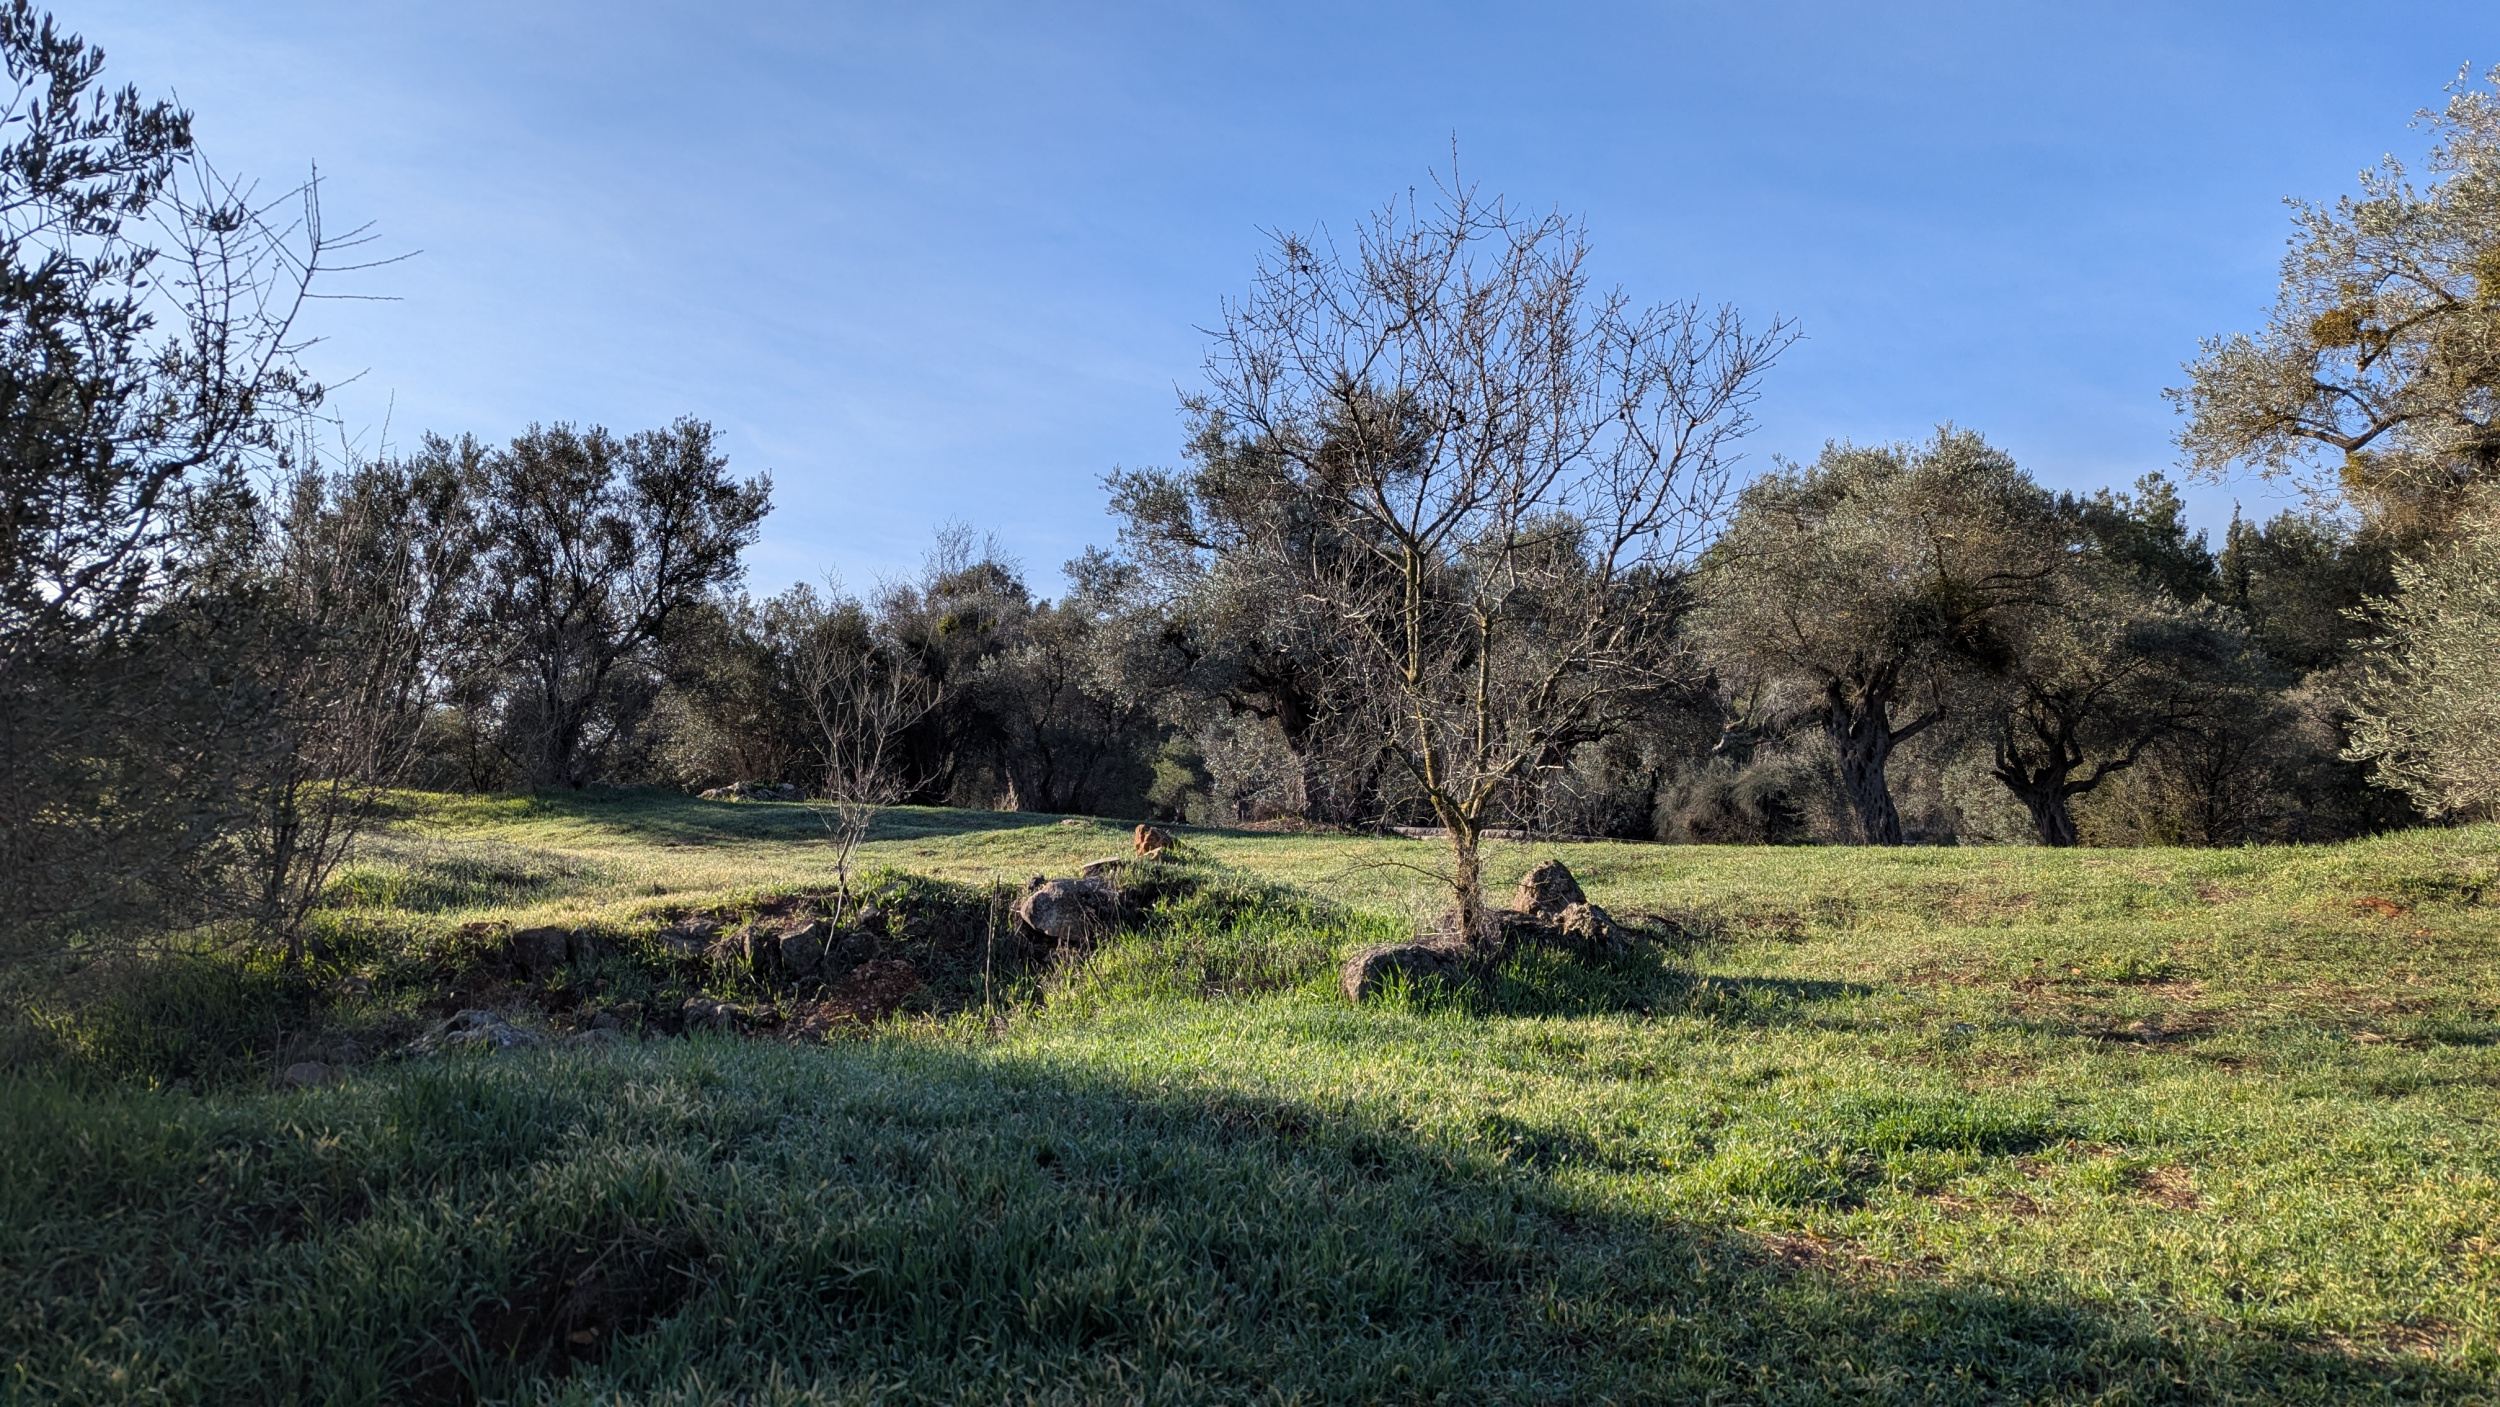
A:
1928	1125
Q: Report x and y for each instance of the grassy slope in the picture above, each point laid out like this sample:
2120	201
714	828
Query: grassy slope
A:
1965	1124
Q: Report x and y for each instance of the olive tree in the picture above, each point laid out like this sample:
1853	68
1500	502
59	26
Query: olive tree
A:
591	544
2427	712
1220	559
2100	672
1513	462
1853	594
2380	361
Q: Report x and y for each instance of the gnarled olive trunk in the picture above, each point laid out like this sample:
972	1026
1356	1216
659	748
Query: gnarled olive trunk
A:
2045	786
1863	753
2051	818
1858	720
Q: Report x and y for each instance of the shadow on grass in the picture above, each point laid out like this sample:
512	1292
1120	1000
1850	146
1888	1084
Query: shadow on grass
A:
1650	979
912	1222
660	817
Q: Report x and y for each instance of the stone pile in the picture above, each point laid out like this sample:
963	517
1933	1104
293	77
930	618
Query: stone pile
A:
1548	907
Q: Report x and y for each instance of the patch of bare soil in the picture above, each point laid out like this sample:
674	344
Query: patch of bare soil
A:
1794	1253
2167	1187
867	994
1956	1207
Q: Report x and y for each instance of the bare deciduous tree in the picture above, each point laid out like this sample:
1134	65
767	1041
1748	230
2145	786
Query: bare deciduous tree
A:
862	701
370	566
1516	462
149	347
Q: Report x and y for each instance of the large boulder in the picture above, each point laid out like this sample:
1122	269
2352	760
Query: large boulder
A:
1069	912
1590	929
1442	960
1547	890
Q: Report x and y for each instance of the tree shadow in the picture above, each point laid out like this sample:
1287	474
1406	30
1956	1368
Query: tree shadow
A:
1648	979
661	817
925	1223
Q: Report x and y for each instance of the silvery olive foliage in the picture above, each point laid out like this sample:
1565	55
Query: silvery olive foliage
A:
2380	361
149	379
1859	594
2427	710
2101	671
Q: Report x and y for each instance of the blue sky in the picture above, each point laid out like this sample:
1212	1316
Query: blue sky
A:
936	261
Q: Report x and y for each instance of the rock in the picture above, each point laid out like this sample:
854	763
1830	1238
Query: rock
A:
755	946
753	791
474	1031
1069	911
801	948
688	938
539	951
1074	823
844	951
1107	866
1591	928
310	1074
344	1053
1547	890
1442	960
1151	842
705	1014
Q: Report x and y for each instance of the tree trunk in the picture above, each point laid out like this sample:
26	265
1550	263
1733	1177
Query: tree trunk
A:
1468	915
2050	816
1864	738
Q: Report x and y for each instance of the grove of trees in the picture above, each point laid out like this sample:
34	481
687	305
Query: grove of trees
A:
1458	541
